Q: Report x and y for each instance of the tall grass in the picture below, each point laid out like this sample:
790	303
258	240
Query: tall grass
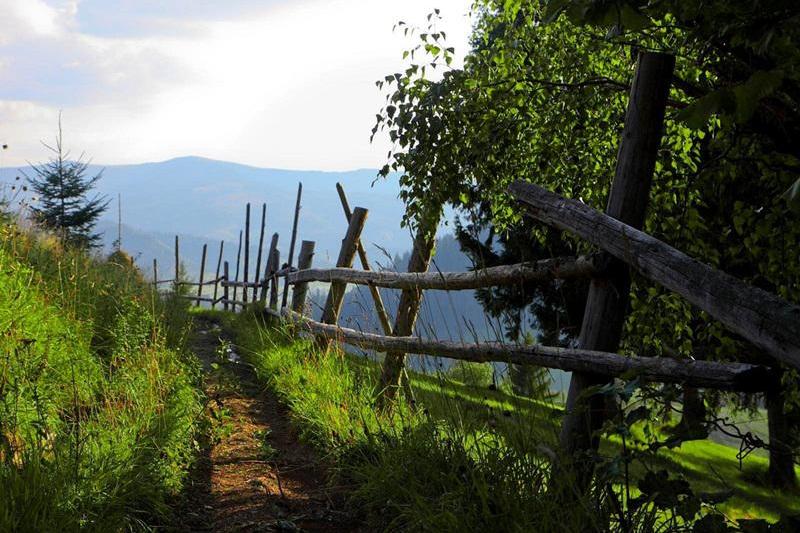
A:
472	455
98	398
440	467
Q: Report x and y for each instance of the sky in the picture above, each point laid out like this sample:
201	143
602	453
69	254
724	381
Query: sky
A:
272	83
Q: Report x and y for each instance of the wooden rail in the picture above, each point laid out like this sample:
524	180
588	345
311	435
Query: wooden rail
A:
740	377
545	270
764	319
194	283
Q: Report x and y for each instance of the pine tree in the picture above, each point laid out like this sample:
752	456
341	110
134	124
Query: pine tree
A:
62	188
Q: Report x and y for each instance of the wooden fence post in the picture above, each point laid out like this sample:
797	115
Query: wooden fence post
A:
383	316
407	310
604	314
176	281
347	254
246	251
291	243
216	276
226	277
155	274
781	460
236	277
380	309
273	245
260	250
202	273
275	262
304	261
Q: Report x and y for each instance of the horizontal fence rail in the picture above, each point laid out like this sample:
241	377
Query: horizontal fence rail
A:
548	269
196	283
247	284
740	377
764	319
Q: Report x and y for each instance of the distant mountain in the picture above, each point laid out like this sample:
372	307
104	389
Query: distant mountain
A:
144	246
199	197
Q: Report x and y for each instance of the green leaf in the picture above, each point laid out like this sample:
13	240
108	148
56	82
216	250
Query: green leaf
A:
711	523
696	115
554	9
748	95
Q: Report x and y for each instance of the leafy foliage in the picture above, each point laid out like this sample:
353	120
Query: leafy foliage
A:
541	97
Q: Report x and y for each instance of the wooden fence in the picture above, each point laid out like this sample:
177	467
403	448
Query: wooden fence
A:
769	323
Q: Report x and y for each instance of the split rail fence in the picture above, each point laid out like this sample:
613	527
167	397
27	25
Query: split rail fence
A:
769	323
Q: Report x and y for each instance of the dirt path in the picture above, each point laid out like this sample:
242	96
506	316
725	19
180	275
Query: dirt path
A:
255	475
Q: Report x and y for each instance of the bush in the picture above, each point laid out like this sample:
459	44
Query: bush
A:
478	375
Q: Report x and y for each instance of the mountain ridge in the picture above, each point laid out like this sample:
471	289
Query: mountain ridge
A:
192	195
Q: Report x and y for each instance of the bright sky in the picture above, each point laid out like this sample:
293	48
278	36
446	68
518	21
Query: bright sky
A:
279	83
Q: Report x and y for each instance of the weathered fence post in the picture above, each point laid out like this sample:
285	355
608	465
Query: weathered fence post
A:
383	316
275	265
273	245
216	276
176	282
246	251
236	277
304	261
260	250
155	275
226	278
291	244
380	309
781	459
202	274
407	309
347	254
604	314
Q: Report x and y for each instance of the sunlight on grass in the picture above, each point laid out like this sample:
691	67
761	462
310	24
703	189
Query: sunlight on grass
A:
409	466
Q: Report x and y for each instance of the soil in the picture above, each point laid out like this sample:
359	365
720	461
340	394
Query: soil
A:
254	474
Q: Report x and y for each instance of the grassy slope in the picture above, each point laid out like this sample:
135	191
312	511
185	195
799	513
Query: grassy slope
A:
709	466
98	405
330	400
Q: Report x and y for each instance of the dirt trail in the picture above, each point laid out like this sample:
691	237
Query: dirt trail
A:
255	475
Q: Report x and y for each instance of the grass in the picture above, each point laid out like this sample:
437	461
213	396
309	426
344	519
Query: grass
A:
99	404
469	457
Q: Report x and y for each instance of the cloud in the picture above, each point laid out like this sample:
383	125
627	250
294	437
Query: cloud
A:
34	17
284	84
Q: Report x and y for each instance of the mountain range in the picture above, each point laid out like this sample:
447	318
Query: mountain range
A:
203	201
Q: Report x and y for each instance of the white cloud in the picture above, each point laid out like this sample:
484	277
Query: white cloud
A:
35	18
289	86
